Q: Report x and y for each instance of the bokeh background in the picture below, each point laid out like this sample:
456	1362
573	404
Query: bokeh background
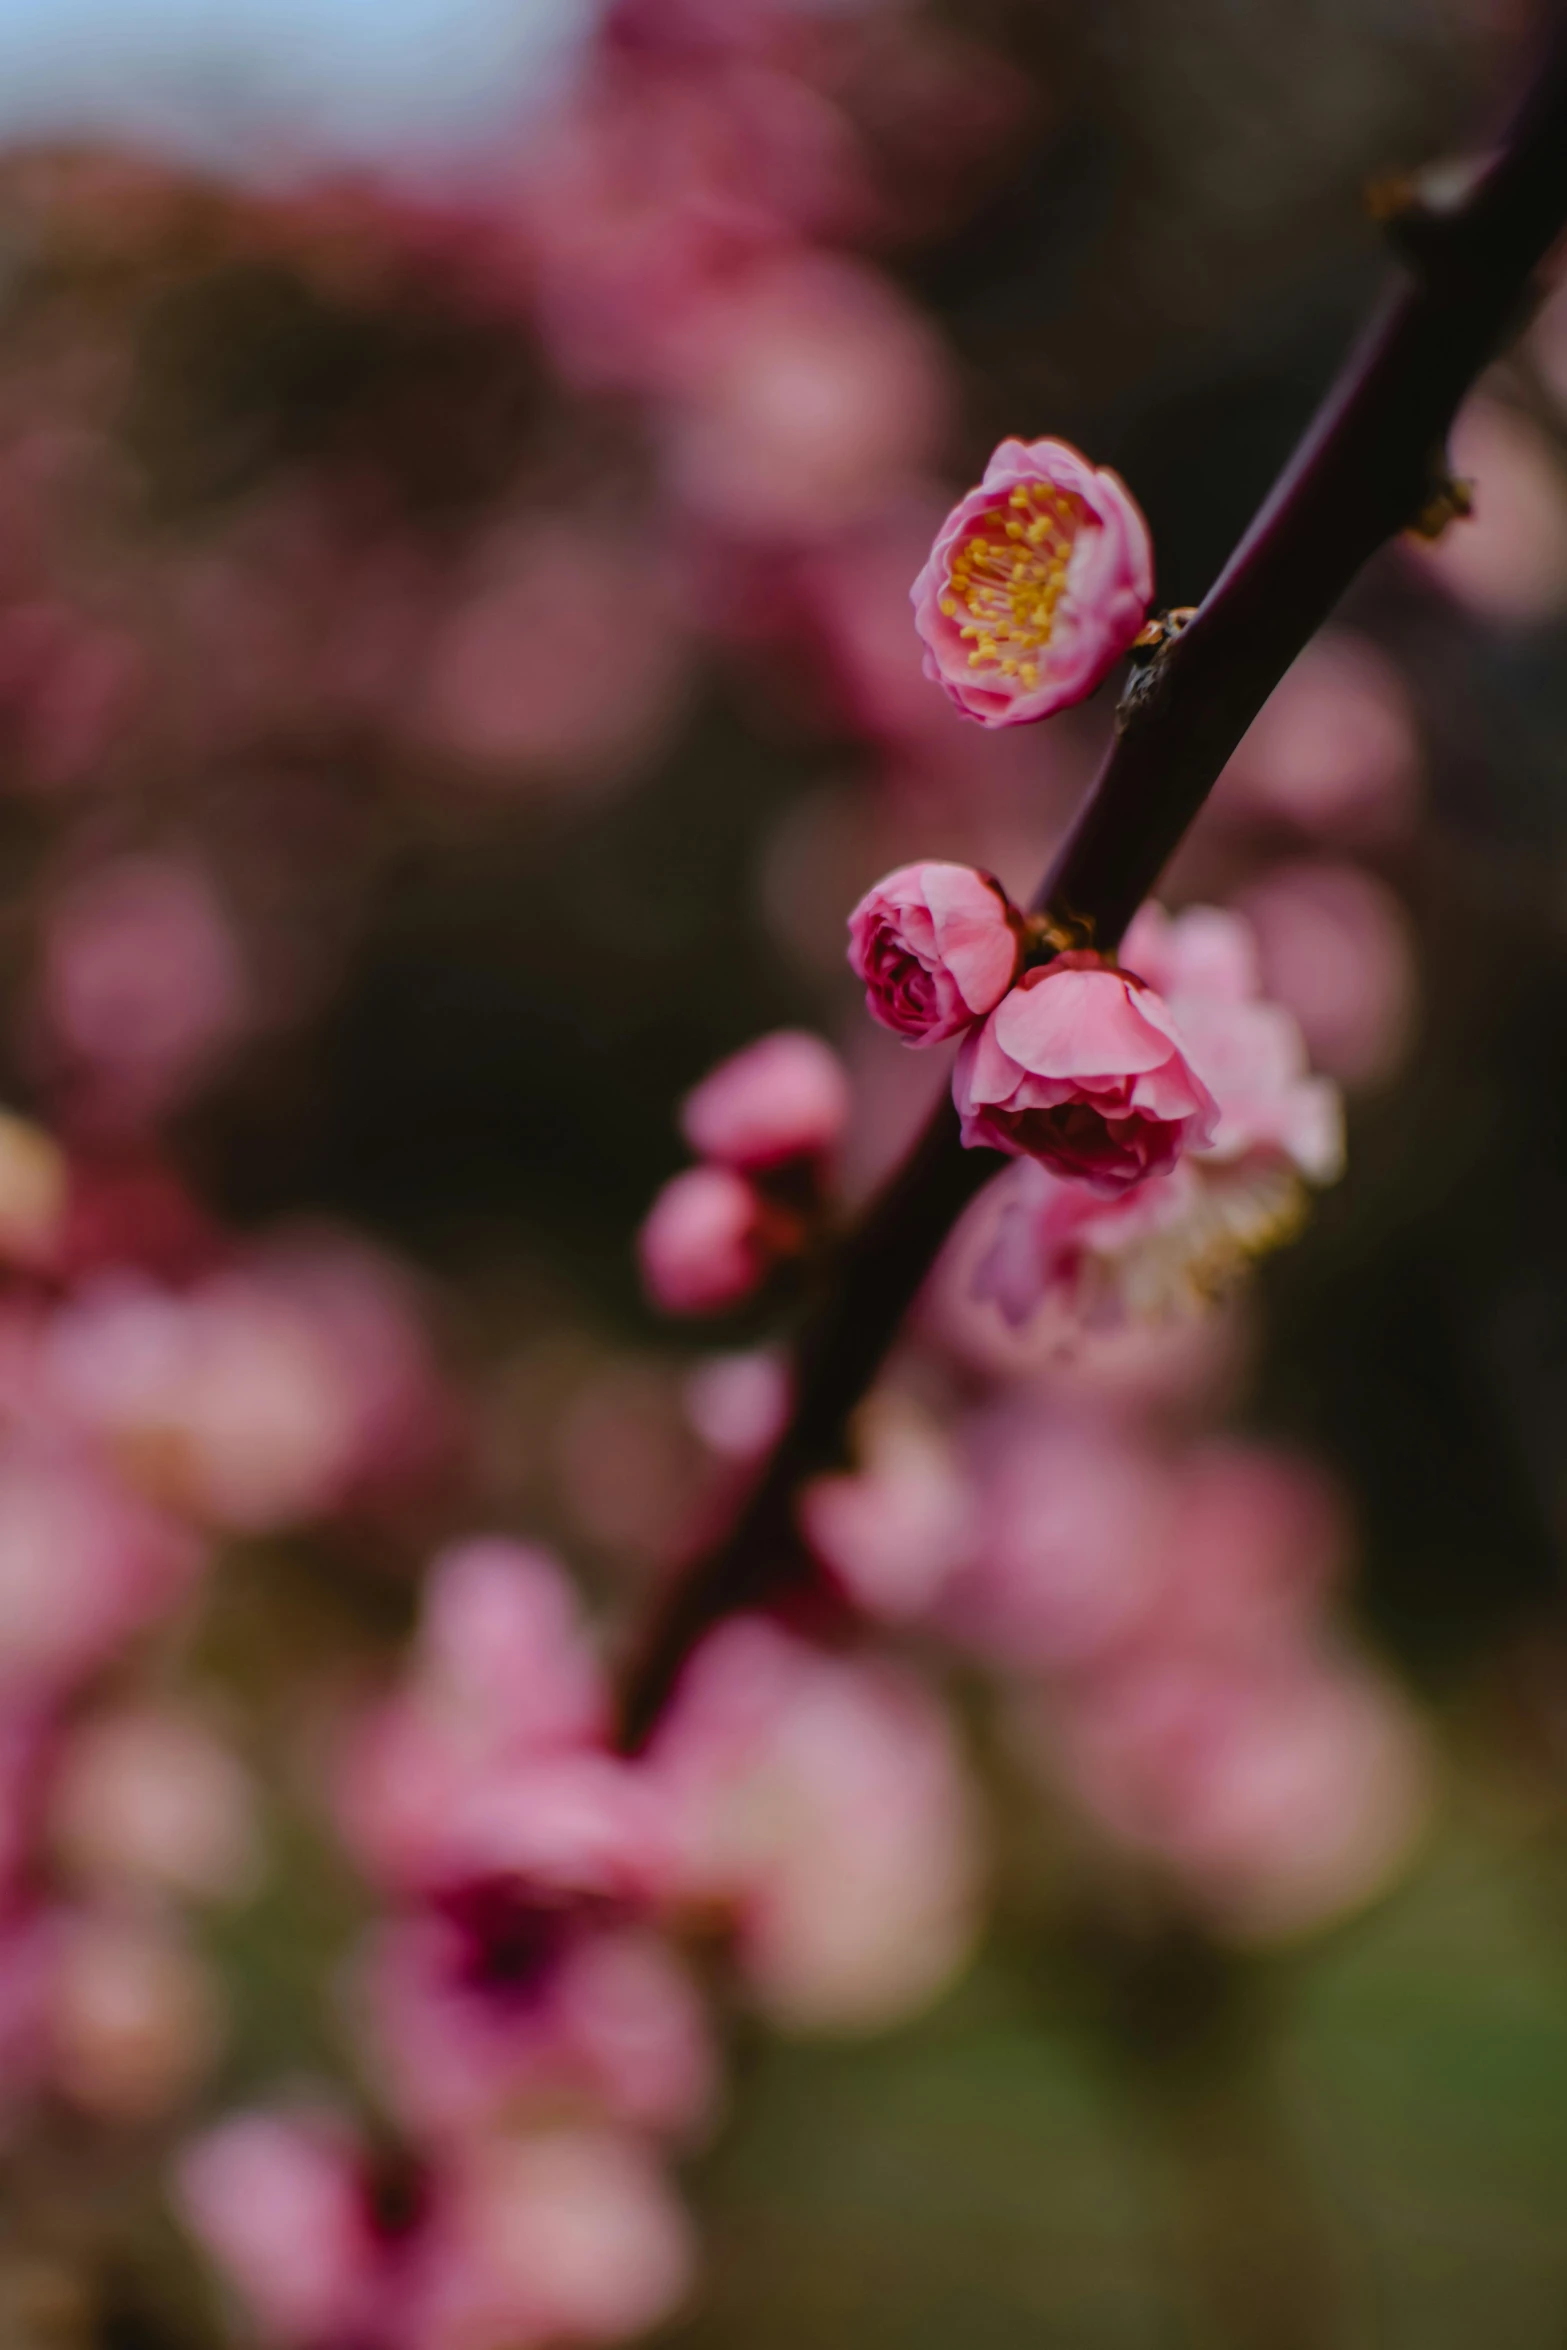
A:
461	467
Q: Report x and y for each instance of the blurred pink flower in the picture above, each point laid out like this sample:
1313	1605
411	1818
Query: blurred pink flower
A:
142	984
518	1970
650	199
1256	1539
1336	947
1037	584
937	946
563	658
702	1245
1250	1053
486	1763
803	401
565	2235
1083	1068
1070	1549
1334	751
84	1565
1278	1799
510	2243
284	2207
896	1530
494	2000
135	2014
147	1798
784	1097
822	1811
1507	561
271	1392
738	1403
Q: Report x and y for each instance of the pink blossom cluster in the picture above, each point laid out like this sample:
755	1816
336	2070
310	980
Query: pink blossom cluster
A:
527	2001
161	1388
1071	1062
1153	1604
1239	1186
121	1805
1164	1110
765	1125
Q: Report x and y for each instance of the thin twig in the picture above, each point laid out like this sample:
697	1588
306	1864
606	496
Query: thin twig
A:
1371	461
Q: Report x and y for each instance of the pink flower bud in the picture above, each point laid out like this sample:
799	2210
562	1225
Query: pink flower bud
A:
784	1097
1082	1067
937	947
1038	582
700	1245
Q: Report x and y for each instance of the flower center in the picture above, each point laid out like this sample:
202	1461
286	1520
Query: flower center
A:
1008	577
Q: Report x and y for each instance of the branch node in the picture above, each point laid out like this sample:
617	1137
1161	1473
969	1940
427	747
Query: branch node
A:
1451	500
1145	686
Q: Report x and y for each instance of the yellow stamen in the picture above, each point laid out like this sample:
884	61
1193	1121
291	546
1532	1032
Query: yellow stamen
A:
1008	577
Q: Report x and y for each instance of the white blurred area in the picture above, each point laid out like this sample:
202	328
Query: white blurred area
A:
260	86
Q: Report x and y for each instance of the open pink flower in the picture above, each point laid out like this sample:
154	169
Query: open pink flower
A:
937	947
1037	584
784	1097
1083	1068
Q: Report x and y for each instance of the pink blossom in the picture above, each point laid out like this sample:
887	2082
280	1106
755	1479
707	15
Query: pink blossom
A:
1184	1234
142	981
1507	561
507	2243
1336	947
1255	1540
493	1999
567	2234
1277	1799
280	2203
784	1097
1037	584
937	946
84	1565
808	397
738	1403
147	1798
135	2013
1168	1248
895	1531
1250	1053
649	203
502	1686
701	1246
1083	1068
503	1650
819	1805
275	1390
1334	751
562	660
1070	1548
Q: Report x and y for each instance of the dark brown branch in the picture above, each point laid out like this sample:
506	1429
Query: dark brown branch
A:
1368	465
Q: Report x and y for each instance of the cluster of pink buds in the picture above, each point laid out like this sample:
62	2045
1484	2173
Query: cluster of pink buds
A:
1073	1062
764	1126
525	2001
